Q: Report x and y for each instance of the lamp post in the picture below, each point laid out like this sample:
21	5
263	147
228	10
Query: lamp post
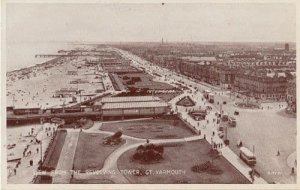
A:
13	96
41	147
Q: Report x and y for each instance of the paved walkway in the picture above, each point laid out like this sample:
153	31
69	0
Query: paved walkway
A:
65	162
25	173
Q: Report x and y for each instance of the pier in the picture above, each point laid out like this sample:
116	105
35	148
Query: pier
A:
52	55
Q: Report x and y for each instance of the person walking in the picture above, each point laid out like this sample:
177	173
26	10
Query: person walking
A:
37	150
31	162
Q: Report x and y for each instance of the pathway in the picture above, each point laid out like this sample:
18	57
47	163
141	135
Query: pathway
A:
65	162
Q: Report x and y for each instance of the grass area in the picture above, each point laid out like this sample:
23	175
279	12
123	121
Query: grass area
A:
151	128
146	81
90	152
43	179
185	101
54	150
83	123
181	159
168	96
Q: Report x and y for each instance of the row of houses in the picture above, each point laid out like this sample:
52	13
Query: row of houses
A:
292	96
267	80
262	85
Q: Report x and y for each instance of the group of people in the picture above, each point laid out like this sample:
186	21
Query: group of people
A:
28	151
217	145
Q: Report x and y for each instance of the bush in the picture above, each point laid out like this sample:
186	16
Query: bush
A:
207	167
126	77
115	139
148	153
136	79
118	134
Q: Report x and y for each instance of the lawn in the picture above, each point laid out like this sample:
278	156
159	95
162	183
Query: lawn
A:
179	159
168	96
54	150
186	102
151	128
90	152
146	81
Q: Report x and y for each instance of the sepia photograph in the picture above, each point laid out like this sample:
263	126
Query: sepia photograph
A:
149	93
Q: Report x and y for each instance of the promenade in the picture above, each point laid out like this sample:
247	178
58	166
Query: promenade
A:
24	172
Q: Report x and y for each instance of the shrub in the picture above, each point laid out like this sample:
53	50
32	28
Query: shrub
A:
115	139
125	77
148	153
118	134
207	167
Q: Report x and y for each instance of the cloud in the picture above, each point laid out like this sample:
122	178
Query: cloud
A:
151	22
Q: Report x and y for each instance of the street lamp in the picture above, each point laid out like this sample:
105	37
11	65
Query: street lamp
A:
41	147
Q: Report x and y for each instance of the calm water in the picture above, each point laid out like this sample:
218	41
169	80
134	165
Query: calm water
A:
20	55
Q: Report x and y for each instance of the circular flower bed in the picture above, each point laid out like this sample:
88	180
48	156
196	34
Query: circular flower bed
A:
148	153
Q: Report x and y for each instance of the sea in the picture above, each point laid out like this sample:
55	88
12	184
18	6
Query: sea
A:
22	54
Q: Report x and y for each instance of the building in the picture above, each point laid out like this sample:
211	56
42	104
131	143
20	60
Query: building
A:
264	85
286	47
24	111
64	92
133	106
129	99
291	96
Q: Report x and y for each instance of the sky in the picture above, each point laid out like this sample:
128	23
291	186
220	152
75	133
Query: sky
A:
151	22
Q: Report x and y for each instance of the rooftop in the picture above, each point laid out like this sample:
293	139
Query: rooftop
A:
130	99
195	59
126	105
